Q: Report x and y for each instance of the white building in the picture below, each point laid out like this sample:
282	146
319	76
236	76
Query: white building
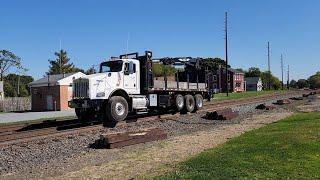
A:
253	83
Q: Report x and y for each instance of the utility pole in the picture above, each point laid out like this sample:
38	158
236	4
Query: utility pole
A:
60	56
226	38
282	72
269	71
288	81
18	89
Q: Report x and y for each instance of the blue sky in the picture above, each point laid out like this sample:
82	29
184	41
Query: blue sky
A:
94	30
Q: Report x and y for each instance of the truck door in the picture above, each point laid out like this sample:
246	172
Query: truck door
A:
130	77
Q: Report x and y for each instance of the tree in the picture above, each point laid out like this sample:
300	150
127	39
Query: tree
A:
302	83
61	64
241	70
293	83
7	61
212	63
160	69
91	70
314	80
274	81
13	82
253	72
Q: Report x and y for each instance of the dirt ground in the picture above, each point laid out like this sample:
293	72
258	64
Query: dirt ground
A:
161	156
72	158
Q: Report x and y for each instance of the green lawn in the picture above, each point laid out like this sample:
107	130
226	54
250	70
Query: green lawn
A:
288	149
223	96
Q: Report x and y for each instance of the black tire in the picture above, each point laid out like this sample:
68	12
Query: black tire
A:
117	109
189	103
179	102
198	102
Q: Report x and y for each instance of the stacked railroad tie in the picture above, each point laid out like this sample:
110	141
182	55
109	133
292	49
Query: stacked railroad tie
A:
283	101
224	114
122	139
265	107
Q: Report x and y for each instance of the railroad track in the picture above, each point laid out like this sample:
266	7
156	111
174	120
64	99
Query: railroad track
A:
14	134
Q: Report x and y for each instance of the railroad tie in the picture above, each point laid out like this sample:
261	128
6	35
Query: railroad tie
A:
117	140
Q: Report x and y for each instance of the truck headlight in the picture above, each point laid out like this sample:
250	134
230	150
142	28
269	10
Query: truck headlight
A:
101	94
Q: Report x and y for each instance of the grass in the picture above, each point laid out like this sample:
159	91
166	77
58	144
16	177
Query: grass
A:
288	149
223	96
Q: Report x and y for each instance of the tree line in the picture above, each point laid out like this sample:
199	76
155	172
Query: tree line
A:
16	84
312	82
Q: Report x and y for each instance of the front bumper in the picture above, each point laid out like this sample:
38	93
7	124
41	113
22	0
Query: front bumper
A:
85	103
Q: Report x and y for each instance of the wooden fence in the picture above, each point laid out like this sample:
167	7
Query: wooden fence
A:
11	104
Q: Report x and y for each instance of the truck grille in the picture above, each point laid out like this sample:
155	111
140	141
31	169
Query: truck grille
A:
81	88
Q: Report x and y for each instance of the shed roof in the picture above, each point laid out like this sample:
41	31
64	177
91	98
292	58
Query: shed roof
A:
54	79
252	80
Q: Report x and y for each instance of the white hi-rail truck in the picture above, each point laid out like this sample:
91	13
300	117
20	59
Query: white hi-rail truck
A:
126	85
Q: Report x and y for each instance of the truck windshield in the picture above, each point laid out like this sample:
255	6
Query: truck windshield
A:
111	66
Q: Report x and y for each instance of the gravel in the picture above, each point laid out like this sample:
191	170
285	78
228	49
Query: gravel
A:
57	155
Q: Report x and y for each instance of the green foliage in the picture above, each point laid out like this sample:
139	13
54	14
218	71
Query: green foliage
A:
253	72
274	81
91	70
288	149
293	83
212	63
159	70
7	61
302	83
314	80
61	64
11	85
240	70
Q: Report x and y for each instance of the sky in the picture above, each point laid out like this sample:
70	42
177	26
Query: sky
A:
92	31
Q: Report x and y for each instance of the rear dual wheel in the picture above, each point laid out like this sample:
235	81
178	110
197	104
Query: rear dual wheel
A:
189	103
198	101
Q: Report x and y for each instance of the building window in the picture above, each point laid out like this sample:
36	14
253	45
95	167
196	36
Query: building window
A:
228	77
238	85
214	77
214	86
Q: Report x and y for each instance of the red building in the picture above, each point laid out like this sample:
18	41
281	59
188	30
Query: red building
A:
238	81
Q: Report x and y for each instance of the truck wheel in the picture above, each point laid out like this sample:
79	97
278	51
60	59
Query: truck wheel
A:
117	109
198	102
190	103
179	102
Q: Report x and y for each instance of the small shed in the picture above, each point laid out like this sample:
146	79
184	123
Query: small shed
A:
52	92
253	83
